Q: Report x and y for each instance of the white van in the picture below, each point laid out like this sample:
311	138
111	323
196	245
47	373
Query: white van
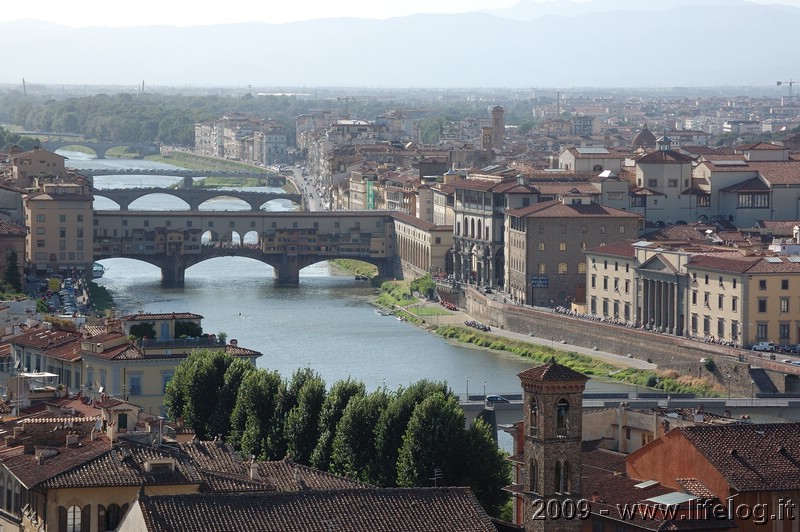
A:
764	346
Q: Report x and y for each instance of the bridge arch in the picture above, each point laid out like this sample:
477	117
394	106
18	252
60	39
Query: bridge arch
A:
232	203
158	201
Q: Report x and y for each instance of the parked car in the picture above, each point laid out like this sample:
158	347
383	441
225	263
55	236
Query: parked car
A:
495	399
787	360
764	346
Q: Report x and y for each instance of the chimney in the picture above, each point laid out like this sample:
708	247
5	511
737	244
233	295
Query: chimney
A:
72	440
234	342
254	471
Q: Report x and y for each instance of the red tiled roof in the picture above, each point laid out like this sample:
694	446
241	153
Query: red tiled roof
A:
557	209
418	509
751	457
146	316
551	372
665	157
751	185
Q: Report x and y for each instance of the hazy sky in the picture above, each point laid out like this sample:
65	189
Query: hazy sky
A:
79	13
82	13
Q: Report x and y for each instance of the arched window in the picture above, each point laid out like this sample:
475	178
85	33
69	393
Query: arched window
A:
558	478
480	230
562	418
113	516
472	228
533	477
597	168
566	486
562	267
581	267
74	519
534	417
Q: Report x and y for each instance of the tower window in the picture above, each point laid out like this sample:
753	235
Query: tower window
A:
562	418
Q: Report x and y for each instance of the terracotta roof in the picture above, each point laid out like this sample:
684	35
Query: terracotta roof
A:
623	249
751	185
665	157
418	222
375	509
41	338
551	372
778	172
10	229
751	457
28	470
557	209
695	487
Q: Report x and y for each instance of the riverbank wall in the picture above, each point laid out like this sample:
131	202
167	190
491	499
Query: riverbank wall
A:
683	355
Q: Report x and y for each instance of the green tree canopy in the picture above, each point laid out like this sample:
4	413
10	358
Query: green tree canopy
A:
193	393
353	451
485	468
252	421
12	275
302	420
433	444
339	395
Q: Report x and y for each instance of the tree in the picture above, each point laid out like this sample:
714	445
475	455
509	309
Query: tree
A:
188	328
252	420
393	423
353	450
485	468
339	395
12	275
194	391
424	285
143	330
301	429
433	444
220	422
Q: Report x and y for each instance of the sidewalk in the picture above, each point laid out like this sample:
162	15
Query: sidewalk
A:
459	317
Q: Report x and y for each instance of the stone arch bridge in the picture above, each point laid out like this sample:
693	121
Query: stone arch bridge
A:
287	241
194	197
100	148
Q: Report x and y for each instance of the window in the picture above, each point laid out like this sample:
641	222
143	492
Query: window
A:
753	200
784	284
40	217
783	331
734	283
720	328
784	304
627	286
80	218
762	304
562	267
637	201
652	182
706	298
615	196
135	383
541	246
583	246
581	267
694	323
704	201
622	229
720	301
605	283
627	434
562	418
761	331
594	281
734	303
62	217
694	297
602	229
74	515
562	246
166	376
706	278
762	284
62	232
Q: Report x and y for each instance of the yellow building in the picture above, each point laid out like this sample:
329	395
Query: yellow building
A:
26	167
59	218
106	361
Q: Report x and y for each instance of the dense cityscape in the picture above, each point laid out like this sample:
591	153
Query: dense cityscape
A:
434	309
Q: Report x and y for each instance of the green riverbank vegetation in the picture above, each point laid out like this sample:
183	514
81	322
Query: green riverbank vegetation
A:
357	267
670	381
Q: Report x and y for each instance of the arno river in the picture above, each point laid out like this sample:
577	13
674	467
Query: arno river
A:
327	323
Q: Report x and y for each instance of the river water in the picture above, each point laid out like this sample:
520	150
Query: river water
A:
326	323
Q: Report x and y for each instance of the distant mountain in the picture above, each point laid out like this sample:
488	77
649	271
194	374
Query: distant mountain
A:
736	43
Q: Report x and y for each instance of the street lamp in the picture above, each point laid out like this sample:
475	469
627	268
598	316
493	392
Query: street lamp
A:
729	385
468	389
484	391
752	384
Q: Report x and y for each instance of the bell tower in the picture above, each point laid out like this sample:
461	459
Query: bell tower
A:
552	405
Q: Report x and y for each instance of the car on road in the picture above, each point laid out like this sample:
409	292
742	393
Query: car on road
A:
764	346
495	399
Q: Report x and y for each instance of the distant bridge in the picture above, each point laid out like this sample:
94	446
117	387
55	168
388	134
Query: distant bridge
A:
287	241
100	148
91	172
194	197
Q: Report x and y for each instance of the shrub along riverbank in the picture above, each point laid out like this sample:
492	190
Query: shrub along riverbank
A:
670	381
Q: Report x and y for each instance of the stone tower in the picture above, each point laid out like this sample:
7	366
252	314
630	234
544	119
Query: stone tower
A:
498	127
552	405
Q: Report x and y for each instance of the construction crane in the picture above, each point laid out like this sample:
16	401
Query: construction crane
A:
791	82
